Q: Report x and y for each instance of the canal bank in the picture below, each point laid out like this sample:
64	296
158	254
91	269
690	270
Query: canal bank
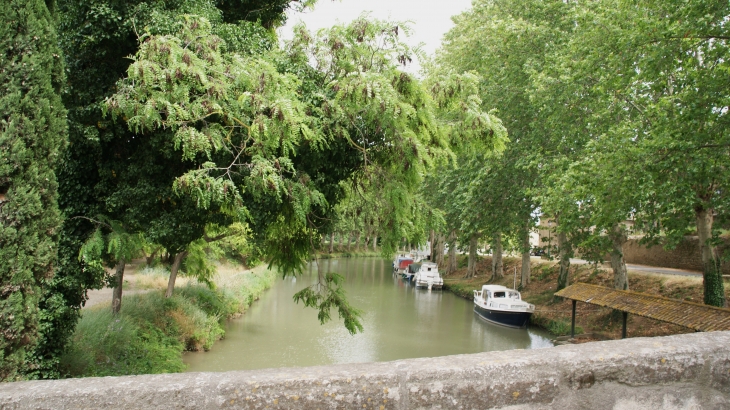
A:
151	332
596	322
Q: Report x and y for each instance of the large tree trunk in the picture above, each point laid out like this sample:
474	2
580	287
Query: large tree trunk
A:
564	252
357	243
435	248
711	264
441	245
452	254
375	243
471	268
497	265
173	272
342	240
349	241
525	270
118	281
332	242
618	264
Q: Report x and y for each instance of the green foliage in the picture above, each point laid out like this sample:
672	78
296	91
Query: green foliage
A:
112	172
198	262
255	120
328	294
107	245
179	82
462	290
521	36
111	345
33	132
559	327
151	331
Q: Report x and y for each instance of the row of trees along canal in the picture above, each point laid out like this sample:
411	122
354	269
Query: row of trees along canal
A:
210	132
616	110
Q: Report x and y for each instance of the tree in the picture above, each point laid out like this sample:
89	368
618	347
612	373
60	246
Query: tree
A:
255	117
110	171
111	246
508	43
33	131
679	87
654	120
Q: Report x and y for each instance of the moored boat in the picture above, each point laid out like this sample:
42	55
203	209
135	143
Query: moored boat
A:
428	276
503	306
411	271
400	264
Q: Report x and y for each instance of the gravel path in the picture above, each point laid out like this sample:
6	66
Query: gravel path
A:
104	296
649	269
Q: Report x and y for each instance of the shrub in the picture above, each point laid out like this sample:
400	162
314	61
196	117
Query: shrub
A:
151	331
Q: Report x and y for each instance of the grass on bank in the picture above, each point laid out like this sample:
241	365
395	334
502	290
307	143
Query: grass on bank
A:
151	331
324	254
555	316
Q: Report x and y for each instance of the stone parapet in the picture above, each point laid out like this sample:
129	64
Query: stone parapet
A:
689	371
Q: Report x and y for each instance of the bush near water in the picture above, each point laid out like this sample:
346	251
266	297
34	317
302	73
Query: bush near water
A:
151	331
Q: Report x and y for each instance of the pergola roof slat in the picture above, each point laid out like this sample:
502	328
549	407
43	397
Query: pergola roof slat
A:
688	314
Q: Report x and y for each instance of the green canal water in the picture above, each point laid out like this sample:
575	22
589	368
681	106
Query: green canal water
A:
400	322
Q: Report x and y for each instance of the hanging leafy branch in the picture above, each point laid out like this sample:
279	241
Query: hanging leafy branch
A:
215	102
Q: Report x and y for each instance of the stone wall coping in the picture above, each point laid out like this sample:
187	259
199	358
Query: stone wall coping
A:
680	371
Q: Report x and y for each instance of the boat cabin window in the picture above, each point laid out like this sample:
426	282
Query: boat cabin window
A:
514	295
499	294
429	269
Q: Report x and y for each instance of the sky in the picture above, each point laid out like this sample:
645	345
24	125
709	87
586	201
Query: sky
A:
430	19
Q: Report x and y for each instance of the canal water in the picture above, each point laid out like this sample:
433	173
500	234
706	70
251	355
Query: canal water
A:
400	322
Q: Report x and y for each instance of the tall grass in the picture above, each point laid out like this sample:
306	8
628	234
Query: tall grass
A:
151	331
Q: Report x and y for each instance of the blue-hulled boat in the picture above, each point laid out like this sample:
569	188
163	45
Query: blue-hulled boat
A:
503	306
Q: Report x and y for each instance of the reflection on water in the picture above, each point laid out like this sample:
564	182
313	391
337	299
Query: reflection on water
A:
400	322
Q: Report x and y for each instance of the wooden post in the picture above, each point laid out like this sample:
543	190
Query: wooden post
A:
572	322
623	332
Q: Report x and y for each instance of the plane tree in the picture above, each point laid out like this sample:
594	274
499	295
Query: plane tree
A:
675	78
648	88
507	43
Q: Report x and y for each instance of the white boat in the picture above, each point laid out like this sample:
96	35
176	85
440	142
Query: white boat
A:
503	306
428	276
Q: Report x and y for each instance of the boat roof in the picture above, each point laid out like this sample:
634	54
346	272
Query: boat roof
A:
428	263
493	288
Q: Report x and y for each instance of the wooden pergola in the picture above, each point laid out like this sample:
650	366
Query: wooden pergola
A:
701	318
